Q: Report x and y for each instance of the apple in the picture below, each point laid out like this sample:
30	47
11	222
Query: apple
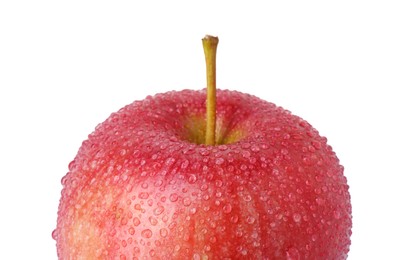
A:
168	178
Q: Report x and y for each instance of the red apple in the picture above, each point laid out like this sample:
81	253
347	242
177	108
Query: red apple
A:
145	185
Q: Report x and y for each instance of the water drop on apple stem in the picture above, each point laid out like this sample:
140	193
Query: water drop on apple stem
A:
210	44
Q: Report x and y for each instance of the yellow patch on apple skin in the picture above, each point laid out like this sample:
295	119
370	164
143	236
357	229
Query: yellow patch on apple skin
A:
85	240
195	129
86	232
234	136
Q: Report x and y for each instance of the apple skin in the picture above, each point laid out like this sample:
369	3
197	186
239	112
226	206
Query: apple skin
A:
143	186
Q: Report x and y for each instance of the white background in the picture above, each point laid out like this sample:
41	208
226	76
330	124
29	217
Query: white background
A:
66	65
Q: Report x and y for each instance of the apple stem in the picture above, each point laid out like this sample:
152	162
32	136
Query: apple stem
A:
210	43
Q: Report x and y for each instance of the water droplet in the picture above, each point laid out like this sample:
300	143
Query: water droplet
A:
247	198
54	234
152	252
163	232
273	224
337	214
146	233
286	136
71	165
227	208
136	250
223	147
243	251
310	133
153	220
173	197
311	149
243	167
64	180
219	161
204	187
158	183
186	202
246	145
297	217
192	178
218	183
157	243
255	148
231	168
234	219
246	154
284	151
306	160
131	231
186	237
138	207
293	254
158	210
316	144
319	201
184	164
250	219
136	221
169	161
143	195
